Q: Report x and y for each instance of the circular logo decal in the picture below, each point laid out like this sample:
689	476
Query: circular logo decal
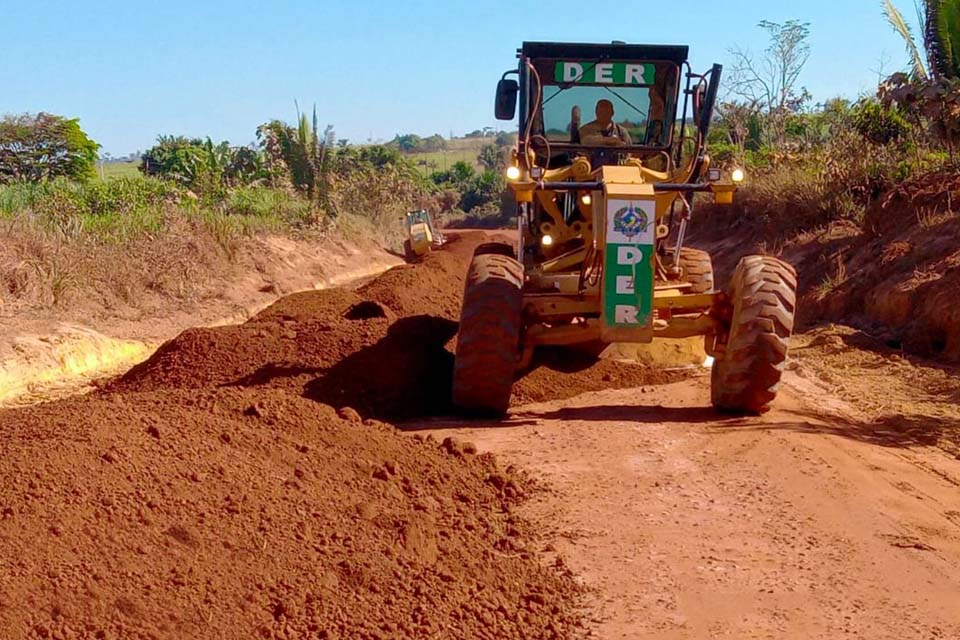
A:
630	221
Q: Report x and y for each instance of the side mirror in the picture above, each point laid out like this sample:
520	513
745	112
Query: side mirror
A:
708	102
505	107
699	102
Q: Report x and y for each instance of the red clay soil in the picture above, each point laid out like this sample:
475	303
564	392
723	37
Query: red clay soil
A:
554	379
231	513
346	349
896	275
215	492
900	278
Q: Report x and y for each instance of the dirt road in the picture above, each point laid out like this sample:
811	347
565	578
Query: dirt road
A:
799	524
240	483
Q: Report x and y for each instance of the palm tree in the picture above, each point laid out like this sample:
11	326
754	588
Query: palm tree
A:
940	21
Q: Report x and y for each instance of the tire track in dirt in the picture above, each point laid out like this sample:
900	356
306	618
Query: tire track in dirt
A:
686	524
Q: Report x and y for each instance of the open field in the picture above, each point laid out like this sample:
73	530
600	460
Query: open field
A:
458	150
118	169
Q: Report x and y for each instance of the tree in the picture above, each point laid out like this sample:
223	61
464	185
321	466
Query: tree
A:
929	94
201	165
408	143
305	153
435	142
940	21
770	83
901	26
505	139
44	146
480	189
739	127
175	158
490	157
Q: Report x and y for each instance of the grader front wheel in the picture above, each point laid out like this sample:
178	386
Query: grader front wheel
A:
489	336
746	376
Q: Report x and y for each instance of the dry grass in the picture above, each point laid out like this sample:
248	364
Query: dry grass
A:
118	242
42	266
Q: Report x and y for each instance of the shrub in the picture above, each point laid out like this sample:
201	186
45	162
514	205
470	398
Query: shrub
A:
201	165
44	146
878	124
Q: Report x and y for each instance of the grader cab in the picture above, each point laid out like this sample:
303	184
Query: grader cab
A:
611	152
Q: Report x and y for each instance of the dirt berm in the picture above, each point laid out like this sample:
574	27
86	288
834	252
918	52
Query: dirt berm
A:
214	492
385	350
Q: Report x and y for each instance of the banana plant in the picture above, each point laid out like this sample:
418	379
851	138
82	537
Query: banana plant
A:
940	21
306	153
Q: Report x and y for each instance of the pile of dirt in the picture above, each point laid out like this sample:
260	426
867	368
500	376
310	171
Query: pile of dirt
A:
432	286
229	485
286	345
556	377
385	350
257	513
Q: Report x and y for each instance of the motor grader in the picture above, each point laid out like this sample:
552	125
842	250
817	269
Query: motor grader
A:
603	209
422	237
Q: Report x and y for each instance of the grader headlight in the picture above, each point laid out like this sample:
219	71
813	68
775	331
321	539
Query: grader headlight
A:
513	172
738	176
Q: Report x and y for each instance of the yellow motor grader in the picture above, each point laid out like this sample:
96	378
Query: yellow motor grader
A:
611	152
422	237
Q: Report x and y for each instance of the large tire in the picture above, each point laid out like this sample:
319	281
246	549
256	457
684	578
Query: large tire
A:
408	253
697	269
489	338
494	248
746	377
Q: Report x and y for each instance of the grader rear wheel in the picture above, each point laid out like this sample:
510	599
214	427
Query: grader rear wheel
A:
489	337
408	253
697	268
746	376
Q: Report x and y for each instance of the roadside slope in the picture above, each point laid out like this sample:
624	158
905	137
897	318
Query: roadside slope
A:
49	353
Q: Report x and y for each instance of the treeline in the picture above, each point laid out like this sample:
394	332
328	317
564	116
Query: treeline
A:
811	163
300	169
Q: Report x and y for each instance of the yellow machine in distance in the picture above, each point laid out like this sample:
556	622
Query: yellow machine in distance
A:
605	174
421	235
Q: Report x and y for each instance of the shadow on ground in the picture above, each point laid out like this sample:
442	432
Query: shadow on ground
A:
404	375
895	430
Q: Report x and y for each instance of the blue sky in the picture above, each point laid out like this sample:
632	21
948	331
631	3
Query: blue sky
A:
132	70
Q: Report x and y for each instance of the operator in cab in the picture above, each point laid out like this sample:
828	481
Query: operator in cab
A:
604	130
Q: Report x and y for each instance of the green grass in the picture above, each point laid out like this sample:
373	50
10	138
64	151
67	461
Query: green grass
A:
431	161
121	208
118	170
458	150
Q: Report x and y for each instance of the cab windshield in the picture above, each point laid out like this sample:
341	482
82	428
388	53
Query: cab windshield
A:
606	103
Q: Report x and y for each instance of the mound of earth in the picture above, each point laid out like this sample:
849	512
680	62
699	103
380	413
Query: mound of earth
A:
385	350
229	513
556	378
